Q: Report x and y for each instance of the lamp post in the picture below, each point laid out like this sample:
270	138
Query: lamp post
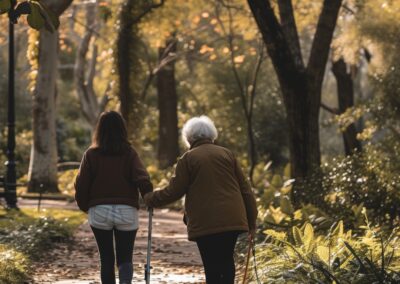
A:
11	177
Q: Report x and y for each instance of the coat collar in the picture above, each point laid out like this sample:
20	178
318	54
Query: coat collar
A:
200	142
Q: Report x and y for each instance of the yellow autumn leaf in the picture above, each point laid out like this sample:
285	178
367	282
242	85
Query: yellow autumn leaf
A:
239	59
323	253
213	56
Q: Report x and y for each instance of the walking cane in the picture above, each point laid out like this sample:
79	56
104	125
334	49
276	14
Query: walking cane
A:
147	267
247	260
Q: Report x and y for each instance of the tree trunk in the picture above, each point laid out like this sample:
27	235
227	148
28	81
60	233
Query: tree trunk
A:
84	75
43	163
42	173
168	135
128	61
345	89
300	85
124	59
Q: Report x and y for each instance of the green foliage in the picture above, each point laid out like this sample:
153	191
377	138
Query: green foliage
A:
38	15
23	148
302	256
369	178
13	266
5	5
66	181
27	234
277	209
35	19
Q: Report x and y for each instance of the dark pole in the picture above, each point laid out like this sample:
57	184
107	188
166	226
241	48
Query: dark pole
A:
10	188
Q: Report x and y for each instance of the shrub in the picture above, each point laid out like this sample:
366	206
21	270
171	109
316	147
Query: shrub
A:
26	234
336	257
13	266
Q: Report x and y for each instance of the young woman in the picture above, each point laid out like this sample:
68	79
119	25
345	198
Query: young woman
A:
107	188
219	203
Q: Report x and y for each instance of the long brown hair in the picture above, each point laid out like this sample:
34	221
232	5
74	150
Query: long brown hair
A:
110	135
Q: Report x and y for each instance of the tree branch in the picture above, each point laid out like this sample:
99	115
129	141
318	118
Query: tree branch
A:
277	45
322	40
289	28
92	66
257	68
150	8
329	109
57	7
74	35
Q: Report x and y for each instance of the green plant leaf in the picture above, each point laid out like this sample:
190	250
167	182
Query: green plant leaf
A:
35	19
5	5
297	236
286	205
287	171
323	253
269	195
286	189
308	237
277	181
52	22
339	230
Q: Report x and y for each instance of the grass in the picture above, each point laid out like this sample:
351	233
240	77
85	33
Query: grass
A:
27	234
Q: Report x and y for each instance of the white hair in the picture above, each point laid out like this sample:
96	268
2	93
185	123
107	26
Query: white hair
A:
200	127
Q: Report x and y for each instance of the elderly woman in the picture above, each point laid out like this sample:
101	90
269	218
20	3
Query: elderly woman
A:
219	202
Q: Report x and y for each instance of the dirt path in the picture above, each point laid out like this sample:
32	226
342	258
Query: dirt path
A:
174	259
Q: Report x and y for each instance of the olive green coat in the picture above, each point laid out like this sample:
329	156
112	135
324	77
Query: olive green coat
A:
218	196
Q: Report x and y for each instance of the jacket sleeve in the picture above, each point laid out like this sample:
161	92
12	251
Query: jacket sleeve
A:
174	190
248	197
82	184
140	176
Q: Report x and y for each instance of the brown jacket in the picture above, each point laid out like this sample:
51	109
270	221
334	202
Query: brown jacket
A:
111	179
218	197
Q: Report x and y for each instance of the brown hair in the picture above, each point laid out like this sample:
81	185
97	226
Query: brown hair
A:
110	135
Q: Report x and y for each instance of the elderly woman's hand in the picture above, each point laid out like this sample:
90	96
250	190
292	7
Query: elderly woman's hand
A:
146	199
252	234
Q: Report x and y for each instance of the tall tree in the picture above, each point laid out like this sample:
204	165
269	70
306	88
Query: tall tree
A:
168	134
127	58
345	90
300	83
43	162
247	88
85	70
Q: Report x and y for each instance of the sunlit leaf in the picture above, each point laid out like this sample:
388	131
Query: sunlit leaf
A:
286	205
297	236
239	59
323	253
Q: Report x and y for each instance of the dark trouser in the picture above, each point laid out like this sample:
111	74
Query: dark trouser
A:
217	255
124	241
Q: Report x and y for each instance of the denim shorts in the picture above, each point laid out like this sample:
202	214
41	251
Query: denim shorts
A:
114	216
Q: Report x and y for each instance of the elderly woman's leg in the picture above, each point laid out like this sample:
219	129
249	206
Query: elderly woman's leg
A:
217	255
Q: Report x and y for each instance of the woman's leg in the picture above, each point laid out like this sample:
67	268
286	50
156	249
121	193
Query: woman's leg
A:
104	239
124	242
217	255
227	245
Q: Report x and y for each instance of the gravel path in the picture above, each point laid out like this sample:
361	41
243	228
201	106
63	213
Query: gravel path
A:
174	259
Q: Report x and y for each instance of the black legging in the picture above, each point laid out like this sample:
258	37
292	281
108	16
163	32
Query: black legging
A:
124	242
217	255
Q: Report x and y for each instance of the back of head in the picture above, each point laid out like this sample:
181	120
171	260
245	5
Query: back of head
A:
110	135
197	128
